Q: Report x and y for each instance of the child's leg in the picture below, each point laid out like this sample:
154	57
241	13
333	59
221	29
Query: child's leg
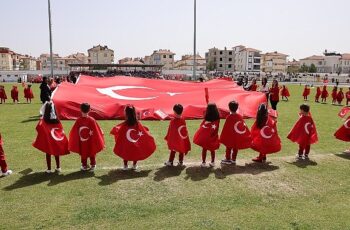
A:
307	150
212	153
172	156
93	161
134	162
181	157
84	162
228	153
57	159
234	154
301	150
48	161
204	155
125	163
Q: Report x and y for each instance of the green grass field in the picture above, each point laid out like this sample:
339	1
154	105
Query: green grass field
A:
282	194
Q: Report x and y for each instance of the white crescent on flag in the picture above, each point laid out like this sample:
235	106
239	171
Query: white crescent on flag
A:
110	91
237	130
179	130
53	135
82	138
263	134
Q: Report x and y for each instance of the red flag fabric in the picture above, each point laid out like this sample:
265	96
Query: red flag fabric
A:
51	139
206	95
343	133
108	97
86	137
207	135
235	133
133	143
177	136
266	139
342	113
304	131
28	93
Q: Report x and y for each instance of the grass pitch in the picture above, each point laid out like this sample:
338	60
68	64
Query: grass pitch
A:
283	194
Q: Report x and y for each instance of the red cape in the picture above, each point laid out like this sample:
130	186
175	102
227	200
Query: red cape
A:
86	137
51	139
133	143
177	136
324	93
342	113
28	93
3	94
334	94
304	131
14	94
2	154
207	135
266	140
235	133
318	93
306	92
343	133
285	92
340	96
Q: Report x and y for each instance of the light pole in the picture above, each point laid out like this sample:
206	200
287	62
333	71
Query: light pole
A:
50	31
194	40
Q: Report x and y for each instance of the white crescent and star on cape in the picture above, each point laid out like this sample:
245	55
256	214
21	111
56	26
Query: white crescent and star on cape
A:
130	139
179	131
112	92
263	133
239	131
83	139
54	136
346	124
306	127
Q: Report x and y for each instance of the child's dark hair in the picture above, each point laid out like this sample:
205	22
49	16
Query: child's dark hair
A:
305	108
130	115
261	116
233	106
212	112
178	109
85	107
47	114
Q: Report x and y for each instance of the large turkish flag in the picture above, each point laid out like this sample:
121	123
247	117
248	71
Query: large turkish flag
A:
153	99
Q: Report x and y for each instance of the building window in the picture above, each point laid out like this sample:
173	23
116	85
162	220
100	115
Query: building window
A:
220	59
230	59
220	65
214	53
230	53
229	66
220	52
170	56
164	56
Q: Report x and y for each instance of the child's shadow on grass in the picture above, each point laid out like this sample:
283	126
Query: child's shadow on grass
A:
31	119
343	155
61	178
167	172
114	176
303	163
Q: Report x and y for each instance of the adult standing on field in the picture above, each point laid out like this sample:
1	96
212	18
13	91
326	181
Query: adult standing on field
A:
45	92
264	88
274	94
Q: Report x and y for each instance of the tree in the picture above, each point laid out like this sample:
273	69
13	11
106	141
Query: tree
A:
312	68
304	68
211	65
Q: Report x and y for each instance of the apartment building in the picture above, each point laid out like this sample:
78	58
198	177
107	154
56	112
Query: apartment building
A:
187	61
101	55
247	59
274	62
161	57
345	63
220	60
324	64
9	60
27	62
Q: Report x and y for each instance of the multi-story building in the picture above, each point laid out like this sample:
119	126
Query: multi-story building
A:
345	63
101	55
27	62
246	59
293	66
9	60
161	57
46	61
187	61
220	60
274	62
324	64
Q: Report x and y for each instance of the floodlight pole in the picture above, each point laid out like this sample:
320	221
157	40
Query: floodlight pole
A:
50	31
195	41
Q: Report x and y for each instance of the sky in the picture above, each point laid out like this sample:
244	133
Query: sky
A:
136	28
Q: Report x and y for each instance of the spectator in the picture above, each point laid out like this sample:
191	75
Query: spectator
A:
45	92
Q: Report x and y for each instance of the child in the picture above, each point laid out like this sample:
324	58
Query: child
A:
334	95
235	135
4	170
86	138
324	94
318	94
14	94
177	137
343	133
285	93
265	139
3	95
347	96
340	96
207	135
28	94
306	92
133	142
304	132
51	138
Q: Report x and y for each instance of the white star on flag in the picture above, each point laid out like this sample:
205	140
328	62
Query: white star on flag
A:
140	134
213	126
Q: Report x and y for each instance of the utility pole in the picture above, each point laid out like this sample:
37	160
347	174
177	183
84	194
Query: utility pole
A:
195	41
50	31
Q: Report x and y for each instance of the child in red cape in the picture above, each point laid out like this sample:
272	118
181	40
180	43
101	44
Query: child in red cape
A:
253	86
285	93
14	94
177	137
324	94
265	139
3	165
133	142
51	139
343	133
3	95
318	94
28	93
347	97
207	135
235	135
304	132
334	95
306	92
340	96
86	138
